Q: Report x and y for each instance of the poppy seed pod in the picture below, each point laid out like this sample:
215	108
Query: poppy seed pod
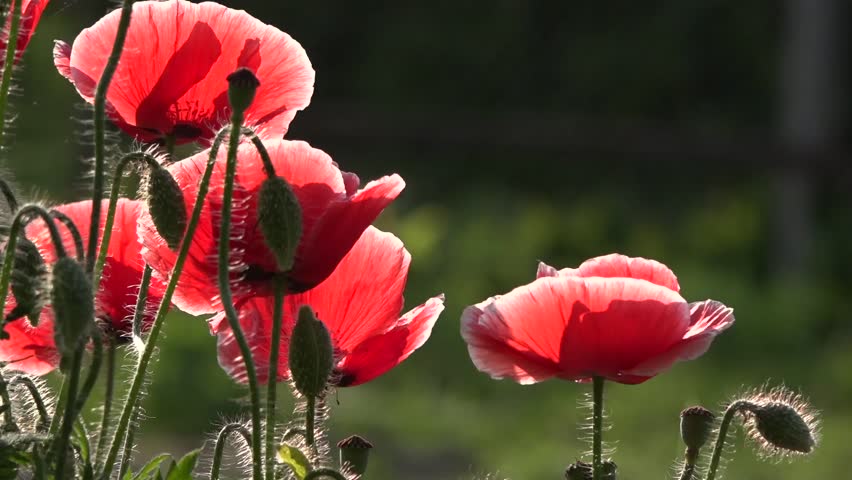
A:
311	354
696	425
280	218
165	203
242	86
73	306
27	282
354	454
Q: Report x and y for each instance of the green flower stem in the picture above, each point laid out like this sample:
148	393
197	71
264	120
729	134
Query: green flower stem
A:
225	292
268	167
109	392
21	218
61	401
113	203
8	418
94	370
72	228
100	132
310	420
324	472
61	442
127	452
36	396
8	194
157	325
597	427
732	410
220	445
688	472
272	376
141	300
9	63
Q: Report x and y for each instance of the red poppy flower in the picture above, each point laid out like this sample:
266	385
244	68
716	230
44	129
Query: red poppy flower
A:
31	11
334	214
615	317
171	79
360	304
31	349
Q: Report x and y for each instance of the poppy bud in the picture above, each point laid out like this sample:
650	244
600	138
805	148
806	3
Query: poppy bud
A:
783	427
696	426
354	453
165	203
242	85
311	354
73	306
280	219
27	282
579	471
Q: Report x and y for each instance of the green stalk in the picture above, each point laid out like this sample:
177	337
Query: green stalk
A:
227	299
141	300
9	65
61	441
109	391
127	452
272	376
36	396
220	445
100	132
150	345
597	427
8	418
73	230
61	401
732	410
310	420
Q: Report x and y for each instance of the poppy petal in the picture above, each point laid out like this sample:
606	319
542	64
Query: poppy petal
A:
617	266
29	349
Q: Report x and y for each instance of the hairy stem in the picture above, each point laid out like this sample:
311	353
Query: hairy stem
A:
73	230
61	442
597	427
150	345
127	452
226	431
227	299
310	420
324	472
109	391
36	396
100	132
272	376
8	418
732	410
9	63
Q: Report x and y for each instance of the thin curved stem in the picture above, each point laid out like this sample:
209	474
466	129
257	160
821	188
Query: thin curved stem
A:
732	410
324	472
141	305
310	420
127	452
21	218
61	401
597	427
61	442
268	167
272	376
109	391
8	194
36	396
117	178
157	325
8	418
94	370
221	439
227	299
100	131
688	472
9	63
73	230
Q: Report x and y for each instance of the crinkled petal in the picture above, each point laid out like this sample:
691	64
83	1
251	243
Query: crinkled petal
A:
30	349
617	266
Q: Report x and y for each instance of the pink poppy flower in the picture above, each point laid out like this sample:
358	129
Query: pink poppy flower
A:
360	303
615	317
171	79
334	214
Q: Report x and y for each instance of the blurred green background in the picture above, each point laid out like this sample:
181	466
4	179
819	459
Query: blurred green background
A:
710	135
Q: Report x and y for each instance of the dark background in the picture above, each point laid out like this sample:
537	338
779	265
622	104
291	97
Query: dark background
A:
710	135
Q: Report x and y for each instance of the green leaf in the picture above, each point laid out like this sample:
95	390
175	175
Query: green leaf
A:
152	466
184	467
295	459
81	439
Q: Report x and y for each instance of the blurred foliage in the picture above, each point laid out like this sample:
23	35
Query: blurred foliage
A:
478	219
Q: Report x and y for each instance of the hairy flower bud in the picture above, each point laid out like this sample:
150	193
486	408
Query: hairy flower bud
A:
579	471
27	282
73	306
311	354
696	426
781	422
165	203
354	454
280	218
242	86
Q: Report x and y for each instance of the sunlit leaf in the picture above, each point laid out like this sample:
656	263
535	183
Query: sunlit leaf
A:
184	467
295	459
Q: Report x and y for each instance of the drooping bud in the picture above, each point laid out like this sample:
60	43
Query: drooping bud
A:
696	427
73	306
280	218
311	354
579	471
242	86
354	454
27	282
781	422
165	202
